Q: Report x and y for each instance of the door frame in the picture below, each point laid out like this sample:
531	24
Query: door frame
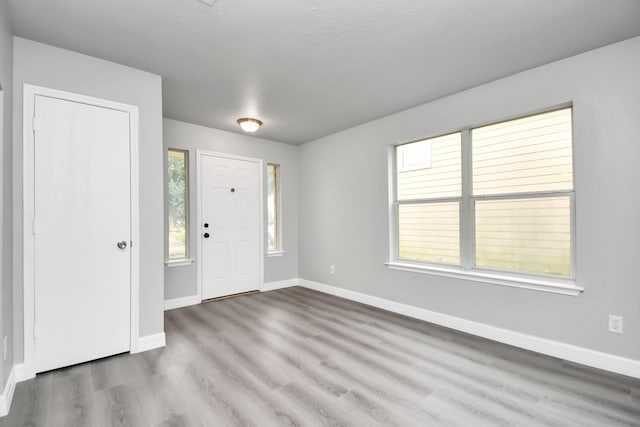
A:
28	193
260	219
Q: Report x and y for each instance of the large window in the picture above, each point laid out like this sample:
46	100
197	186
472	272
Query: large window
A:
498	197
273	208
177	165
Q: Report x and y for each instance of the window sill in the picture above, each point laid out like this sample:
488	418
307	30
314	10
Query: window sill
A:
178	262
271	254
557	286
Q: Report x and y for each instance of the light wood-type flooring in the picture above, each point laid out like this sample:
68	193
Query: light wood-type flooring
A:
299	357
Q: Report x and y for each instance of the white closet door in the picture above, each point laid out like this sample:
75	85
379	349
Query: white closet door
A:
82	233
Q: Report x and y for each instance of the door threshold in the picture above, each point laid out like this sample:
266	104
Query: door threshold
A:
230	296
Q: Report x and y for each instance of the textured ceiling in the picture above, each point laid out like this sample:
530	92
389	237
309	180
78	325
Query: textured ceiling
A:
309	68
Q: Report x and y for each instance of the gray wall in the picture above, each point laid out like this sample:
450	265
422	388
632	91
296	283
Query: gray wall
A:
6	283
344	213
56	68
181	281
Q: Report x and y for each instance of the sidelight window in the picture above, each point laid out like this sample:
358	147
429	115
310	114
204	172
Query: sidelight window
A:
273	208
177	180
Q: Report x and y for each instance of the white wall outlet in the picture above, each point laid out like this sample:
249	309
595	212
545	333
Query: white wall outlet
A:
615	324
332	269
4	348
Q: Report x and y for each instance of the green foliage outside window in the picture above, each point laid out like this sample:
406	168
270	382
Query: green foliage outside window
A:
177	199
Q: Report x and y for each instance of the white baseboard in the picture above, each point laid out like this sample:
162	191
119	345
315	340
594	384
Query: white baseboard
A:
584	356
149	342
21	373
7	394
270	286
170	304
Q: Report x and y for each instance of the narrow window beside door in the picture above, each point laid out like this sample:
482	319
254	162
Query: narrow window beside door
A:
177	164
273	209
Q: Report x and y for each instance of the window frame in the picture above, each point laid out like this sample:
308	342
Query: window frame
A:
278	251
185	260
467	268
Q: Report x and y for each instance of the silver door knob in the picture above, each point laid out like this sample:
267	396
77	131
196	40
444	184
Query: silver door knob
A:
122	244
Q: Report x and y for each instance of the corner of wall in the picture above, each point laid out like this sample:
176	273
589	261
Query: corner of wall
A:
6	189
7	394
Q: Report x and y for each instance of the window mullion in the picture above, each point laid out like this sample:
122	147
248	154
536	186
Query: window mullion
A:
466	208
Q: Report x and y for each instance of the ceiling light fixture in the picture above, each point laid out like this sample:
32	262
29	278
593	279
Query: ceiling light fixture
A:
249	125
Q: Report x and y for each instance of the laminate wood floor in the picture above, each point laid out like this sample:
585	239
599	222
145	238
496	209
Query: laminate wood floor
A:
299	357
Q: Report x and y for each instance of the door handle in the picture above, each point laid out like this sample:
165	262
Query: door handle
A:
121	244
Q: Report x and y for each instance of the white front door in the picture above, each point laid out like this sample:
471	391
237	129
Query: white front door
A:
230	226
82	211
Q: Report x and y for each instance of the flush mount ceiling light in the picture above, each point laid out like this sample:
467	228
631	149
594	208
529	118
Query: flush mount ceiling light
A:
249	125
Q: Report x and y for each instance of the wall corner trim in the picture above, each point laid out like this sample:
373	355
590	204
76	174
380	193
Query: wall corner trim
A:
7	394
170	304
271	286
149	342
595	359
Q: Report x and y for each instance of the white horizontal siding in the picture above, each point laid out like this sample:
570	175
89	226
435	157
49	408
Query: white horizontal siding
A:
442	179
531	235
530	154
430	232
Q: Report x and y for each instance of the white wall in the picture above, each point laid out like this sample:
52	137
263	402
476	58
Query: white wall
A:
48	66
344	213
181	281
6	283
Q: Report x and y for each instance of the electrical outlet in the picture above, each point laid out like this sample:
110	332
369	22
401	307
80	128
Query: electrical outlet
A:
332	269
4	348
615	324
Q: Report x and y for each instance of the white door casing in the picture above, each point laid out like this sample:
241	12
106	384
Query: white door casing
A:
230	214
80	199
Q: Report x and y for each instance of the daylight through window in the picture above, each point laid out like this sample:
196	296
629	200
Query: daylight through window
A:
177	165
273	214
511	210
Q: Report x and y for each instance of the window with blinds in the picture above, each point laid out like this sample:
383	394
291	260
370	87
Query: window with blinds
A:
510	210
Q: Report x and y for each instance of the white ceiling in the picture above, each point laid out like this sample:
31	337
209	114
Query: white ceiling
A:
309	68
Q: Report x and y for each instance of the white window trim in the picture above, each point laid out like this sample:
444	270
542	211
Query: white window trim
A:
557	286
177	262
467	269
271	254
280	249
